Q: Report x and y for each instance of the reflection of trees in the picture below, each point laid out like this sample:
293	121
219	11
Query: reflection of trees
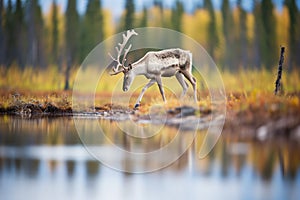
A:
1	164
115	135
204	165
52	131
9	163
181	163
225	160
289	159
92	168
18	164
264	161
52	164
239	161
263	157
70	165
283	154
31	167
221	156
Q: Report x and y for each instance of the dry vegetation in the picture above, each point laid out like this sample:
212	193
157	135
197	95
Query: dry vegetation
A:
251	105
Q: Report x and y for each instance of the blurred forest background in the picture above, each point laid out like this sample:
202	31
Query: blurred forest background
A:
57	41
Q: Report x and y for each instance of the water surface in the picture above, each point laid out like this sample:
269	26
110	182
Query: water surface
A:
44	158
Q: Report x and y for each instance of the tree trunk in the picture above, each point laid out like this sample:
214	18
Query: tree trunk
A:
67	77
278	84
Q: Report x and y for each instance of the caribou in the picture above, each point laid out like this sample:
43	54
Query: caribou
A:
154	65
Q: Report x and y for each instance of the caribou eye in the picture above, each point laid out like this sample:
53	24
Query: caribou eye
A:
130	67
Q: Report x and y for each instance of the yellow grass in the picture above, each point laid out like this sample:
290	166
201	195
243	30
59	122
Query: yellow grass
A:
249	83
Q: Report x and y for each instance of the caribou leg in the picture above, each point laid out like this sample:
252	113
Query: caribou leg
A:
192	80
151	82
183	84
161	89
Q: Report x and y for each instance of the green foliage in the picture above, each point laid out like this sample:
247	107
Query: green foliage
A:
9	33
129	14
20	34
227	19
213	39
71	38
54	34
72	32
36	47
144	18
258	26
1	34
228	34
294	31
91	28
268	32
241	39
232	36
176	16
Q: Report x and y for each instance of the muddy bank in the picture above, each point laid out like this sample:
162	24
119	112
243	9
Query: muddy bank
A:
256	117
184	117
244	125
32	109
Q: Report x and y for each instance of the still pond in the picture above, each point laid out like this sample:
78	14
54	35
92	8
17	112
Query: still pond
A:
43	158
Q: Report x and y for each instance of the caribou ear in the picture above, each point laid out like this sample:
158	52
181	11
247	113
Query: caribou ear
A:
130	66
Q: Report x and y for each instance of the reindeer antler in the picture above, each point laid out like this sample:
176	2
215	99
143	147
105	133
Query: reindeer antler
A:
119	50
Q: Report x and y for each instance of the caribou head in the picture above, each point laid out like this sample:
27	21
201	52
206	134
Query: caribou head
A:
120	65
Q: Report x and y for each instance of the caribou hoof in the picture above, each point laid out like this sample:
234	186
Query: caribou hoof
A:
136	106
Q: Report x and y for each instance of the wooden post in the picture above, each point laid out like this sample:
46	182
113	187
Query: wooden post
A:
278	84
